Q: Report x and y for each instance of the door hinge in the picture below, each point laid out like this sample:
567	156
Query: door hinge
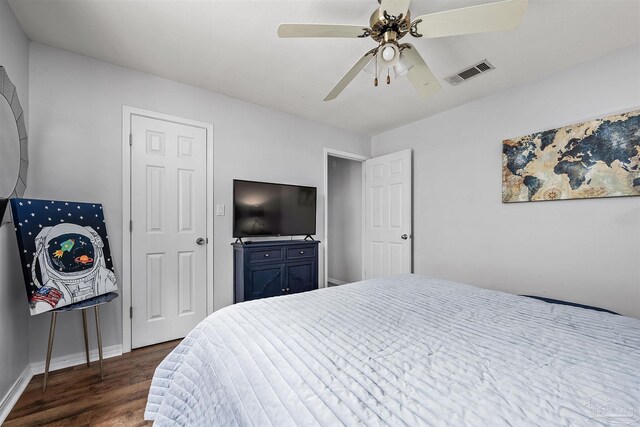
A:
130	140
130	312
130	226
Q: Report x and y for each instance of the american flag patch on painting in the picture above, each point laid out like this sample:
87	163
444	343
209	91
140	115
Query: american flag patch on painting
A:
48	295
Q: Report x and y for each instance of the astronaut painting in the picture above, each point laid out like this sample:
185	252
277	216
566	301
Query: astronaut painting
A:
64	251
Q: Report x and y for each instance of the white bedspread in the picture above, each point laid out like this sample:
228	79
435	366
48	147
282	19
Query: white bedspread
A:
406	350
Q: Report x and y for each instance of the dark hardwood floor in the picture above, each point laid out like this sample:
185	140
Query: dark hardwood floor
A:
76	396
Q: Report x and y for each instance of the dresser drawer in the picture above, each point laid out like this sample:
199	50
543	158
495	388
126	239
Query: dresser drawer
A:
262	255
301	252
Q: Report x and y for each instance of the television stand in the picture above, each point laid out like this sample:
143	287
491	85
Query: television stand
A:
271	268
309	237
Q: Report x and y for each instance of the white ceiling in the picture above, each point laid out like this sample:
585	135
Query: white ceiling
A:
231	47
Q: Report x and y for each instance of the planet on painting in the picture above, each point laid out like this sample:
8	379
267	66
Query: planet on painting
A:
64	249
598	158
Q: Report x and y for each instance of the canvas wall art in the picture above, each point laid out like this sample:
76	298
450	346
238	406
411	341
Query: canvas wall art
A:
64	249
598	158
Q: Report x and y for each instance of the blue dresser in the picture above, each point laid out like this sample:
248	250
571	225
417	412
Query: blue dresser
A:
271	268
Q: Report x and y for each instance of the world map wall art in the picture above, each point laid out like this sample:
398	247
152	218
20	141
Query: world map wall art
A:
64	251
598	158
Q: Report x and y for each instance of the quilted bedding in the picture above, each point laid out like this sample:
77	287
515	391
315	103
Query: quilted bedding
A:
403	351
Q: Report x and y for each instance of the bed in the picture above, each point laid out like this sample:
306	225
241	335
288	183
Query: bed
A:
406	350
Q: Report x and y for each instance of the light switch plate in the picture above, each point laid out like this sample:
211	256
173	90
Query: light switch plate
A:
220	209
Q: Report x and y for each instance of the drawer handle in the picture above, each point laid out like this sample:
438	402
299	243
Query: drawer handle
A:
266	255
301	252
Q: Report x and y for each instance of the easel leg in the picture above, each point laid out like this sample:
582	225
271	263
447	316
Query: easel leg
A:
52	332
86	336
99	339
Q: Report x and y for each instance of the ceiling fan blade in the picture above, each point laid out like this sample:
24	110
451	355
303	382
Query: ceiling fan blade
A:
395	7
321	30
351	74
500	16
420	75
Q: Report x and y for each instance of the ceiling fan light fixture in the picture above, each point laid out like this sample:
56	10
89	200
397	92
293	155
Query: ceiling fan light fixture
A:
402	67
388	55
371	68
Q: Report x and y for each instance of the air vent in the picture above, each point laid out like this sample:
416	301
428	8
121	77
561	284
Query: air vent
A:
480	68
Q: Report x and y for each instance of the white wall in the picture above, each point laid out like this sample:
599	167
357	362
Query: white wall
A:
77	149
586	251
14	309
345	219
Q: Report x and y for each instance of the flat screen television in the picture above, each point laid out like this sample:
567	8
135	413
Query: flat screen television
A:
269	209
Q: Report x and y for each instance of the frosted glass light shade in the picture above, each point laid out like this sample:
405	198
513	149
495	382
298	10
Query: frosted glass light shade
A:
402	67
371	68
388	55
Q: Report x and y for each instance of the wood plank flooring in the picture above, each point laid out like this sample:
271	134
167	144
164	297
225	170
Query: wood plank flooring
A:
76	396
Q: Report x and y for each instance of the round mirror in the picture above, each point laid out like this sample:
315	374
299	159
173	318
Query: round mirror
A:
13	144
9	151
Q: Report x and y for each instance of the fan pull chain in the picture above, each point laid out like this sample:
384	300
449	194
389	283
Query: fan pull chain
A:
388	77
375	80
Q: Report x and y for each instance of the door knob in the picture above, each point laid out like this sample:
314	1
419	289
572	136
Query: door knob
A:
200	241
404	237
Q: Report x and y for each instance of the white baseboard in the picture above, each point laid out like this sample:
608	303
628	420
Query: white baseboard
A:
11	398
336	281
76	359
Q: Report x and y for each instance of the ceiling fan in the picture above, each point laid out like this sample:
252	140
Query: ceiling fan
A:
392	21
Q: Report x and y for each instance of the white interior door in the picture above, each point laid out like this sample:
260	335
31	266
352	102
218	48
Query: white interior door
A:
168	213
387	243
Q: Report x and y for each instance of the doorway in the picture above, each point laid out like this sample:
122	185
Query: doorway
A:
167	271
344	209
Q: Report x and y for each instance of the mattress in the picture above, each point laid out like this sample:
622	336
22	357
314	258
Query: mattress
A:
406	350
